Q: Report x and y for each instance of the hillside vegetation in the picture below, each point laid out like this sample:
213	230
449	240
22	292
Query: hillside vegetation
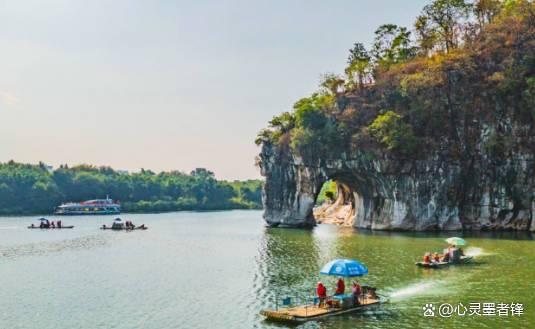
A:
429	89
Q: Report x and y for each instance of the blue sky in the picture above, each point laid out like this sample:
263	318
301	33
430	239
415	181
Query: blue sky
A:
167	84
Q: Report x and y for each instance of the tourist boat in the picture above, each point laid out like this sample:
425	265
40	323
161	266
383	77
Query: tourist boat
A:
141	227
90	207
463	260
310	309
456	255
47	225
308	312
50	228
118	225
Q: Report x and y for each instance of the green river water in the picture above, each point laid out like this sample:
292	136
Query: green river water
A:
219	269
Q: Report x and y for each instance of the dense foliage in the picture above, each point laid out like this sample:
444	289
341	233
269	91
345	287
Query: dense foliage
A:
26	188
432	89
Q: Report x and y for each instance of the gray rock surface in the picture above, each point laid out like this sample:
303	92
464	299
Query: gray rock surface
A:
390	194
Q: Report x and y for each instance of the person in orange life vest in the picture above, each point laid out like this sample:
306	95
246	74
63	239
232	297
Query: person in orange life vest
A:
436	258
340	287
427	258
322	293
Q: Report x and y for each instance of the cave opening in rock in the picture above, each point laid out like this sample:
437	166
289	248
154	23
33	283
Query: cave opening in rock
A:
335	203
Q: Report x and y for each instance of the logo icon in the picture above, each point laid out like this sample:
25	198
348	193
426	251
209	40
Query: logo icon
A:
429	310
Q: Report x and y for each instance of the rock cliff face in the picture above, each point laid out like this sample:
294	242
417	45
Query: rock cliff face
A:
391	194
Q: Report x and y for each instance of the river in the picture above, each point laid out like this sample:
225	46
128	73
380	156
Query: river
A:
219	269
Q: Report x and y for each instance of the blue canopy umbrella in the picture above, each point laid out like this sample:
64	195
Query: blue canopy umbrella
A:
42	219
344	267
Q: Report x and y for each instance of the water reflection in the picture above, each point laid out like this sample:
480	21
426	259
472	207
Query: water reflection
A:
285	262
501	235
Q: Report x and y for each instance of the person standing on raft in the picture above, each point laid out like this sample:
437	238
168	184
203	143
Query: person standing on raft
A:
322	293
356	290
340	287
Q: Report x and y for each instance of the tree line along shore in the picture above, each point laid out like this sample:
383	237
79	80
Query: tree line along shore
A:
36	189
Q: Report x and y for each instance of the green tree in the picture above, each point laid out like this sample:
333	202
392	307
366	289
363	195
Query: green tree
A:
486	10
446	19
284	122
278	126
396	135
392	44
358	68
426	36
332	83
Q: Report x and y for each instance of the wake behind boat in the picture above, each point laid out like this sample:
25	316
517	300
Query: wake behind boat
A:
90	207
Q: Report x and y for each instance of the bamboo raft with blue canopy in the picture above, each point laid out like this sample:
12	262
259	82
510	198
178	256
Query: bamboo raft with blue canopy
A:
298	308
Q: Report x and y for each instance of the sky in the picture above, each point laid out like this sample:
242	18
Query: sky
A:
167	85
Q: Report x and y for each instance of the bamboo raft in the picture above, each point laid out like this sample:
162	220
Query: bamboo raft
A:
463	260
124	228
304	313
51	228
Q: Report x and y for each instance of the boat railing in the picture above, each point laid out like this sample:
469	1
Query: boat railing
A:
295	298
303	299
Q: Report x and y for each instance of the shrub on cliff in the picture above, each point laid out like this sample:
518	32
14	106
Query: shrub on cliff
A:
395	134
316	134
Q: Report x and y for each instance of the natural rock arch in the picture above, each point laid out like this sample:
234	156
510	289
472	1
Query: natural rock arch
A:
389	194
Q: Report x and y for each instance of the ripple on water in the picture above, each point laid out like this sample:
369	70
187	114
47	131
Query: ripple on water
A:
44	248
